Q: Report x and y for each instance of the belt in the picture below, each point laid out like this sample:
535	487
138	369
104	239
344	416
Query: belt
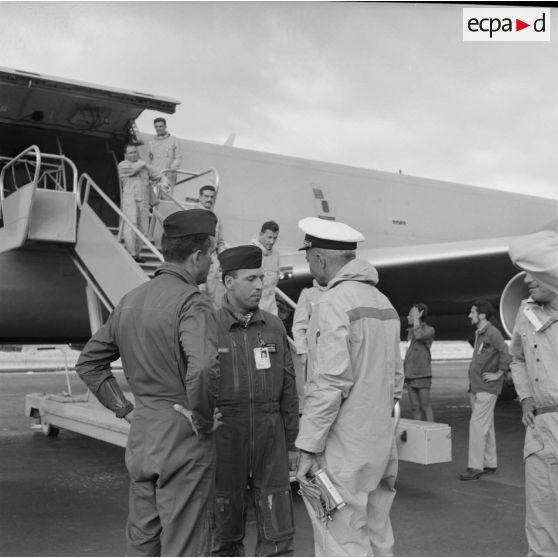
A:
543	410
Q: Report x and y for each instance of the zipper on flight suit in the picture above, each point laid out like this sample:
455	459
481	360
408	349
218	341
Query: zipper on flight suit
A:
249	359
235	365
262	374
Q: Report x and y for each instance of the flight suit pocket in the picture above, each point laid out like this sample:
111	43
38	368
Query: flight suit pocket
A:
228	516
275	513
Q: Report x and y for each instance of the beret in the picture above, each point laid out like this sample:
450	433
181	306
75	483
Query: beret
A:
190	221
240	257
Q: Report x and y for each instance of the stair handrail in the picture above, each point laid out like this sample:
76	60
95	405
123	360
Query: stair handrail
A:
72	165
82	200
31	148
162	194
192	175
40	162
286	298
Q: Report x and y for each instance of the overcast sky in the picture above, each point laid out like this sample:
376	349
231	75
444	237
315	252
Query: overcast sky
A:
376	85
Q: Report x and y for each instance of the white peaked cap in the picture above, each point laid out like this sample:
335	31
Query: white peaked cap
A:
331	235
537	254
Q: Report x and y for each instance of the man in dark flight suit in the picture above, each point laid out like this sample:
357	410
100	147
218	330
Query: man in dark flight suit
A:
259	403
165	333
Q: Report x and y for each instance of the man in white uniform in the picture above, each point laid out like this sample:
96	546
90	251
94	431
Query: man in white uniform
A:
534	367
214	288
355	375
136	198
164	152
271	265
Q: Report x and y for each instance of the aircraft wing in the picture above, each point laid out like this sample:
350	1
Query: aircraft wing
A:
439	252
447	276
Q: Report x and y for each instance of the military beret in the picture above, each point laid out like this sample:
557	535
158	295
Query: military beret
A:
331	235
189	222
537	254
240	257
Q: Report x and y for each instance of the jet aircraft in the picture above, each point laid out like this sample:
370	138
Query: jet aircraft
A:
432	241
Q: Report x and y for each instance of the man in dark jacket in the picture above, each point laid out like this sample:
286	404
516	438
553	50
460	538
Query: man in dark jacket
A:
165	333
259	403
490	362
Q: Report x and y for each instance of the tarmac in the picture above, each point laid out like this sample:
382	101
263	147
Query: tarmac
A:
68	496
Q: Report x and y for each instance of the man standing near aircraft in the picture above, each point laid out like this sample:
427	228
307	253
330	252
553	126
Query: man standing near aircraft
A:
534	367
355	375
271	264
417	363
307	299
490	362
164	152
259	403
136	198
213	286
166	335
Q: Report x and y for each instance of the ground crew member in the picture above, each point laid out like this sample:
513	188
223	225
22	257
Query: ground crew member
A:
136	198
534	349
307	299
418	362
489	365
271	265
355	374
165	333
164	152
213	286
259	403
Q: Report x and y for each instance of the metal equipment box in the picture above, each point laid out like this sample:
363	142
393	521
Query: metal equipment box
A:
423	442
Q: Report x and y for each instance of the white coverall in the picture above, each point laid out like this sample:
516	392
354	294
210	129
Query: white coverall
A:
214	287
271	268
304	307
136	196
164	153
535	374
355	373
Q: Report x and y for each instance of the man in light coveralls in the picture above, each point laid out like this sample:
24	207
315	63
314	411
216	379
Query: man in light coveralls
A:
355	375
534	367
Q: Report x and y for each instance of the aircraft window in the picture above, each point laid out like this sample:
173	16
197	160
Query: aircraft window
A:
318	194
325	206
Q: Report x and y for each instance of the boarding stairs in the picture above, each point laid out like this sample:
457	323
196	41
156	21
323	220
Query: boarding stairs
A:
45	201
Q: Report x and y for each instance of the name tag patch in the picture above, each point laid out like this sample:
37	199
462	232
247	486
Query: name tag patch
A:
261	358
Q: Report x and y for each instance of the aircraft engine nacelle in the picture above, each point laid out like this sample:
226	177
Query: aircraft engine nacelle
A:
512	295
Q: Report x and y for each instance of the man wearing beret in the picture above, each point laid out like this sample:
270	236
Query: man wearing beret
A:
166	335
534	367
355	374
259	404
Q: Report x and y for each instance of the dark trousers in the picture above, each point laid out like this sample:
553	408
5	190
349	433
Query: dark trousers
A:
274	518
170	511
